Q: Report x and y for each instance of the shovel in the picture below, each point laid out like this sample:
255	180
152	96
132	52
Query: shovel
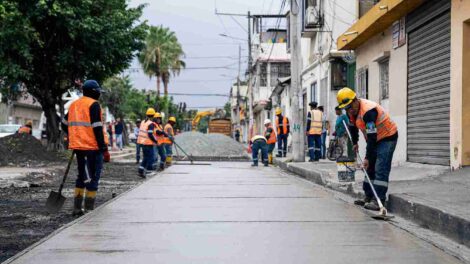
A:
383	211
56	200
189	157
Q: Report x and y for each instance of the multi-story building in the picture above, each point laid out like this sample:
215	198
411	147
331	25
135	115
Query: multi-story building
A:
238	105
409	60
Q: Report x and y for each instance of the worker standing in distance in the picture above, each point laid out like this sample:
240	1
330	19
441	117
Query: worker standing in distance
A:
314	131
160	135
168	141
270	136
84	125
27	128
283	129
137	145
147	140
381	135
258	143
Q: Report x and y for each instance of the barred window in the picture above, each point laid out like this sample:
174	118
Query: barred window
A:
384	71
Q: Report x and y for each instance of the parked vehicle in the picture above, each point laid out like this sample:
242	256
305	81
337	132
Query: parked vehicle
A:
8	129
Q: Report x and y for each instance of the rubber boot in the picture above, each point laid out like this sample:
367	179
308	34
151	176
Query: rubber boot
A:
78	202
373	205
168	161
279	155
270	158
363	201
90	200
162	166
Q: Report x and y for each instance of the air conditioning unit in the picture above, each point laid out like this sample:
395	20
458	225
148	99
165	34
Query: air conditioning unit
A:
312	16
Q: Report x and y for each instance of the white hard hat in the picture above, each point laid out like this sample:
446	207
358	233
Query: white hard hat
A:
267	121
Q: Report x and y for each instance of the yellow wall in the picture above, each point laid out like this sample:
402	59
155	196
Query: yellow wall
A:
460	84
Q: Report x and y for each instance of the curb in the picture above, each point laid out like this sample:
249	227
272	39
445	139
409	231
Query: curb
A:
403	205
451	226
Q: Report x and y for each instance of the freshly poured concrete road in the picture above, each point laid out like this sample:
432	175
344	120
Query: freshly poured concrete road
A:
231	213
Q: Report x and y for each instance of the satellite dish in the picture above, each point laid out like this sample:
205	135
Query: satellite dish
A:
349	57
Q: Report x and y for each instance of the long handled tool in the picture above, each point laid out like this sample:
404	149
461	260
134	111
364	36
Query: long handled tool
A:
383	211
56	200
189	157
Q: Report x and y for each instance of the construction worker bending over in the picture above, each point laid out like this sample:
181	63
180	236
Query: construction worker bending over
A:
259	143
86	138
283	129
314	131
147	140
271	139
381	135
160	136
168	141
27	128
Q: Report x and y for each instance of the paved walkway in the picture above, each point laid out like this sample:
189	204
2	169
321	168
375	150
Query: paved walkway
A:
231	213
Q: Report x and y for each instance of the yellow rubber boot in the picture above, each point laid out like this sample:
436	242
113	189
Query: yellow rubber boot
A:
90	197
270	158
168	161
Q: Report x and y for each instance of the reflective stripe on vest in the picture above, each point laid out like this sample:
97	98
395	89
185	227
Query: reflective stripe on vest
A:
81	135
272	138
385	126
169	131
284	126
316	123
24	130
143	137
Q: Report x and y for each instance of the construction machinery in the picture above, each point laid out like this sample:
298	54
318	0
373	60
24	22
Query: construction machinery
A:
217	124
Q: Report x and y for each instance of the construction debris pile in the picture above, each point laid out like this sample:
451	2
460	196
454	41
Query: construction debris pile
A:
209	145
24	150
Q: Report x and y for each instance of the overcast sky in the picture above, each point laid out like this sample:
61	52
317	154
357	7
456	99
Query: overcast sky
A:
198	28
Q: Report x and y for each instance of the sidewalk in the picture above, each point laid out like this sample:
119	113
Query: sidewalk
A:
428	195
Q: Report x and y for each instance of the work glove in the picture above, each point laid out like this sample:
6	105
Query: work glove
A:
106	156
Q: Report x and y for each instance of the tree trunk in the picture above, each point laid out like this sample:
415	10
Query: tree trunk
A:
165	87
52	126
158	85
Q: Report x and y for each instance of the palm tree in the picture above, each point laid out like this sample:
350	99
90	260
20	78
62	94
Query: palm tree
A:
162	56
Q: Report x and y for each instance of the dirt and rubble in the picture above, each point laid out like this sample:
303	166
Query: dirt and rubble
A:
23	217
209	145
26	151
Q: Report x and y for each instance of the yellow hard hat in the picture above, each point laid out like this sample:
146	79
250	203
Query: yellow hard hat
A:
157	115
172	119
150	112
278	111
345	97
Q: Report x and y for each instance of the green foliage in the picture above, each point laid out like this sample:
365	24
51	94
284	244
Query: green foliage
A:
227	109
162	56
47	45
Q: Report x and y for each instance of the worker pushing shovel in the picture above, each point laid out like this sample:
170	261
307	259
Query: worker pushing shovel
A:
381	135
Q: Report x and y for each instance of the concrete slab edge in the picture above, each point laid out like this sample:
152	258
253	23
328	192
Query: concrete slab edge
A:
78	220
451	226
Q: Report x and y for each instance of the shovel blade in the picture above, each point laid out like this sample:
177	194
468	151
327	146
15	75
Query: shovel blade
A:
55	201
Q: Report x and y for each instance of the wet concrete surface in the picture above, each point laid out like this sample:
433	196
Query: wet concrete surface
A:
231	213
23	216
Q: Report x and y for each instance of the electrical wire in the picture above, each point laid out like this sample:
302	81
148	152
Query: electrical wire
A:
277	28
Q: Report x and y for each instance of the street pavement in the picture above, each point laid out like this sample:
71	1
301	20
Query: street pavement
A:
231	213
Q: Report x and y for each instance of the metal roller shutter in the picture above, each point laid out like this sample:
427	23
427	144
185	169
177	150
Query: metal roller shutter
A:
428	126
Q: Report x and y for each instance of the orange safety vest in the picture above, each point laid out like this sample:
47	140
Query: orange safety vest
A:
316	123
160	138
285	122
81	135
272	137
385	126
170	132
143	138
24	130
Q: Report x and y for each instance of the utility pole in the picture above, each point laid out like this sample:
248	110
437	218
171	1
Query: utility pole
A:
250	87
238	85
298	137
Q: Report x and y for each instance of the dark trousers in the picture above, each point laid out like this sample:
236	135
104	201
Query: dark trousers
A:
160	150
149	158
282	144
90	165
259	145
379	170
168	149
138	147
314	146
323	145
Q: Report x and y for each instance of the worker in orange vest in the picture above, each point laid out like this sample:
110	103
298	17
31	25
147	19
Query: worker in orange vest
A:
314	130
27	128
381	134
84	125
270	136
168	141
160	135
147	140
283	129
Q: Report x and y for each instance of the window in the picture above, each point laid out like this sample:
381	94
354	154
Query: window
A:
312	15
279	70
263	73
339	74
313	92
384	69
362	83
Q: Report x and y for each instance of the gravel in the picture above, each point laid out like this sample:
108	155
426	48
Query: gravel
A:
209	145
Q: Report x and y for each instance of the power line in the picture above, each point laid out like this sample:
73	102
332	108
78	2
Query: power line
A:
277	27
238	23
199	94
